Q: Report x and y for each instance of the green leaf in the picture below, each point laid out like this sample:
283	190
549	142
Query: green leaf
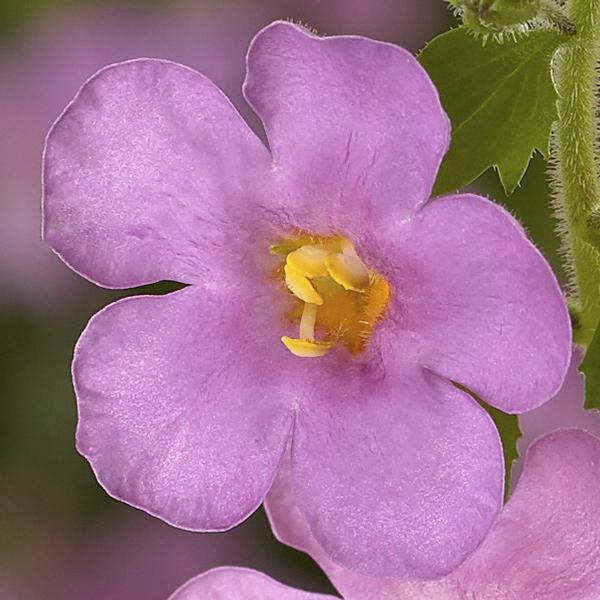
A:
501	101
510	432
590	367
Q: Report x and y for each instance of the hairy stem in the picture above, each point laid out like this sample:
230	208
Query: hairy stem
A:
577	188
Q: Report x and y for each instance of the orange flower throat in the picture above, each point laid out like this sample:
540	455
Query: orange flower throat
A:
337	298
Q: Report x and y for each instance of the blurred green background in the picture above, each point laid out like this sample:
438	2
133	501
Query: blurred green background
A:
61	536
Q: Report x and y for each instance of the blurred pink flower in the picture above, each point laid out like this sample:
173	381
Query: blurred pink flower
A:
564	410
11	588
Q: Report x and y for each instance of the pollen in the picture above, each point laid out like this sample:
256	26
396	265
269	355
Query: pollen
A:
336	297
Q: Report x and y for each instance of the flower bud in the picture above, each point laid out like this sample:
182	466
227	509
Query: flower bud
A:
501	16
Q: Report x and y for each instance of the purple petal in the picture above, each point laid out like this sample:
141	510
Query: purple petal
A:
179	408
475	301
234	583
355	126
147	175
290	527
396	472
546	542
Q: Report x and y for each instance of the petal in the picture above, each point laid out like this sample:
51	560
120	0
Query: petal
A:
477	303
147	175
355	127
396	473
231	583
546	542
179	408
290	527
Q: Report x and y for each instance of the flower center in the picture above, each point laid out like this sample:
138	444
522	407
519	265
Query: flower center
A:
337	298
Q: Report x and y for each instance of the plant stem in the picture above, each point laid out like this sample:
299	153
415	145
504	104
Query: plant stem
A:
577	188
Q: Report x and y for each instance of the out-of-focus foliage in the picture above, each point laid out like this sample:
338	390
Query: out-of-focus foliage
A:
590	367
16	13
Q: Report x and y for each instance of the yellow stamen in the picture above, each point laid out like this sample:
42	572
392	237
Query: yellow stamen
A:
306	348
309	260
349	271
347	247
307	322
334	293
301	286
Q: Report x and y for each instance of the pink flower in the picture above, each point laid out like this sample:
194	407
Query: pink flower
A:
236	583
187	402
544	544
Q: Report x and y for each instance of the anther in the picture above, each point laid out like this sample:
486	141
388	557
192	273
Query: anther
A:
301	286
349	271
325	274
306	348
309	260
